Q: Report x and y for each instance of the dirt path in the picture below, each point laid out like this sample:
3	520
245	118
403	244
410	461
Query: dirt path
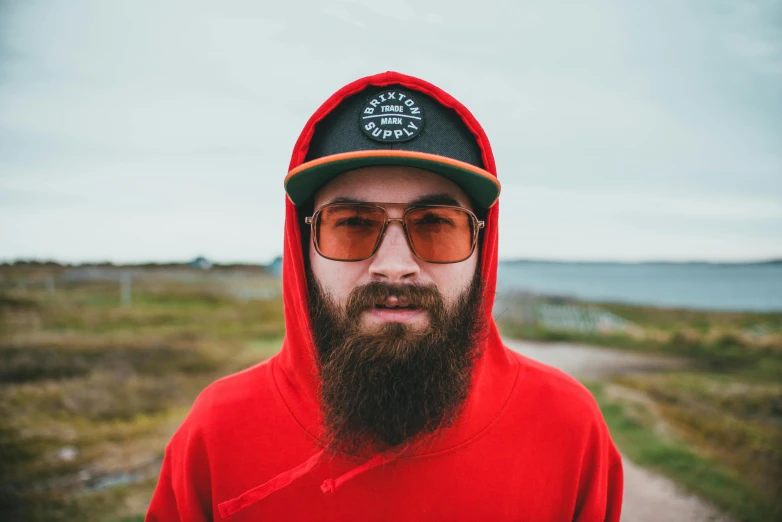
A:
648	497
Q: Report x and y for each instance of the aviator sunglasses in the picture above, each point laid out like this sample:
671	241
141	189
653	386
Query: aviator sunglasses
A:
354	231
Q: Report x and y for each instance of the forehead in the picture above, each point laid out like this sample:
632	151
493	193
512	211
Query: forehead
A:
389	184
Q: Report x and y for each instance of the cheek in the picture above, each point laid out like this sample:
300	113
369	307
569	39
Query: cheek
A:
337	278
453	280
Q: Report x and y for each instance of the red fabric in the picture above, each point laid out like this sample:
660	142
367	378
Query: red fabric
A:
531	443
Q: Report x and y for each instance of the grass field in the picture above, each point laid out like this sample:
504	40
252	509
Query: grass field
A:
91	390
716	429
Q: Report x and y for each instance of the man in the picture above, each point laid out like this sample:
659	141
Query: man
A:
393	397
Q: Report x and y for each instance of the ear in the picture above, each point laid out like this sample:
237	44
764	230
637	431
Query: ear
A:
304	210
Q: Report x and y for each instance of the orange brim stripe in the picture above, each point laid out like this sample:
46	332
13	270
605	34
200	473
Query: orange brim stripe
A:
392	154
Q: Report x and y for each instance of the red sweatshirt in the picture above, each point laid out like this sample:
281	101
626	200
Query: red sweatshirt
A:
530	444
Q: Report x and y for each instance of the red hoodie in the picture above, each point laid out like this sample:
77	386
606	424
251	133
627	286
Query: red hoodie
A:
530	444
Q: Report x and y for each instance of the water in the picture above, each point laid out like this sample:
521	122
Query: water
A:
740	287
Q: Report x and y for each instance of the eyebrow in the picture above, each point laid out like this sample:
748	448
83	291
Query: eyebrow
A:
436	199
345	200
428	199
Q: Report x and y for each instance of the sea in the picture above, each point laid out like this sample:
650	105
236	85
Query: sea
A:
705	286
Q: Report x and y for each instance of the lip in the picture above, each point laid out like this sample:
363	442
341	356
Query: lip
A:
398	316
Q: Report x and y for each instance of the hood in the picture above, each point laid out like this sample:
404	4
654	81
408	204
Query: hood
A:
295	368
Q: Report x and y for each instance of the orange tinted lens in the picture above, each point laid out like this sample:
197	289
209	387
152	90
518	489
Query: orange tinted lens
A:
440	235
348	232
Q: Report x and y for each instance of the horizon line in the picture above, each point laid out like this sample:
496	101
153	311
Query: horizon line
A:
43	261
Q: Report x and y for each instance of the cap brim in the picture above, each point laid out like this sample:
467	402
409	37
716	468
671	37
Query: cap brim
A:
304	180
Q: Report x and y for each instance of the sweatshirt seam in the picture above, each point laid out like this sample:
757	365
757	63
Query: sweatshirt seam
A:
315	439
483	430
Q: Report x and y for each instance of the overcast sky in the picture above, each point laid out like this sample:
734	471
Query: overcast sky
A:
623	130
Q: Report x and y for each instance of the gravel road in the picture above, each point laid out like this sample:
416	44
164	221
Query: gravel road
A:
648	497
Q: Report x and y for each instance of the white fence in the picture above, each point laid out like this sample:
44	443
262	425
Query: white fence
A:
558	314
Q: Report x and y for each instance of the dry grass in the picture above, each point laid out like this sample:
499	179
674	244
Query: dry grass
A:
643	431
717	429
91	390
724	418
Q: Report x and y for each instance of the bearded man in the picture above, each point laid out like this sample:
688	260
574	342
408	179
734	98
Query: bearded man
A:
393	397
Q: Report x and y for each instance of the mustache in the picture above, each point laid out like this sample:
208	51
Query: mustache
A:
420	296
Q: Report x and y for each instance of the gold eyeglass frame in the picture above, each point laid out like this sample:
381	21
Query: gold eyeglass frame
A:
312	221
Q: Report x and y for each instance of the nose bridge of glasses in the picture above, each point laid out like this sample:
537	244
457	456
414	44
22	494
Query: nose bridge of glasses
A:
403	232
388	231
393	257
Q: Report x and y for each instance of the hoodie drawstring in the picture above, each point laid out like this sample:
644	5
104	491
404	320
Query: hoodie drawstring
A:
329	485
258	493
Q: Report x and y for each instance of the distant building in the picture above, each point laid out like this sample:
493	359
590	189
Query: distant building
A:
275	267
200	262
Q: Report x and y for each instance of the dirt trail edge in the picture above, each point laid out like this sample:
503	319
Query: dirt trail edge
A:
648	497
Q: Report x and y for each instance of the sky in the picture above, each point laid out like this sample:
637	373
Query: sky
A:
623	130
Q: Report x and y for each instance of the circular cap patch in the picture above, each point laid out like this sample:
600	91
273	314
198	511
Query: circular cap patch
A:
391	117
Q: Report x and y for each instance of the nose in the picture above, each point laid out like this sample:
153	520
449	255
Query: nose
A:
394	262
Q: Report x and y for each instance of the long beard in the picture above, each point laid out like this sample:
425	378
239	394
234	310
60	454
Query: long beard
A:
391	386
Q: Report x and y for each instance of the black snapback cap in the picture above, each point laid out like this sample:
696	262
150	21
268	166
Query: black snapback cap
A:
393	125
